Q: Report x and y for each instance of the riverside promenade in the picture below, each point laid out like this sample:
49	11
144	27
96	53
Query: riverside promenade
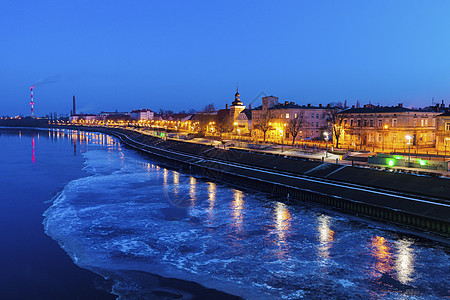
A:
418	203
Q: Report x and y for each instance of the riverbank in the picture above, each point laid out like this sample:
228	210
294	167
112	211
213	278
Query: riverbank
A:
417	202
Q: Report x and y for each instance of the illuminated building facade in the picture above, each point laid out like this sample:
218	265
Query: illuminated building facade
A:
315	120
443	132
142	114
386	128
244	122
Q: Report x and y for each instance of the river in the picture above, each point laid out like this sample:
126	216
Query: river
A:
151	231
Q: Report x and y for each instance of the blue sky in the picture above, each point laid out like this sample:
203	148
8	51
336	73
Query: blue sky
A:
185	54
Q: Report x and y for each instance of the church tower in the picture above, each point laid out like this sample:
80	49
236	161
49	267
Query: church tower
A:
236	106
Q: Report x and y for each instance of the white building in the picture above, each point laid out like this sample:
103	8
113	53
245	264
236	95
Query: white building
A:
142	114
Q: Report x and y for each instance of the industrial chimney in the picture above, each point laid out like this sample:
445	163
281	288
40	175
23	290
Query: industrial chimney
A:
73	108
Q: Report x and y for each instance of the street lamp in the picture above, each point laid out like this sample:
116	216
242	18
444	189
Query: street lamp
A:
408	137
385	127
326	145
282	144
239	131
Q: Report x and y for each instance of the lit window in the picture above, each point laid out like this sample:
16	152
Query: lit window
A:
287	116
379	137
447	126
422	122
295	116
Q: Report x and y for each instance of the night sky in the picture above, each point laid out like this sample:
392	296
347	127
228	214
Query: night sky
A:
179	55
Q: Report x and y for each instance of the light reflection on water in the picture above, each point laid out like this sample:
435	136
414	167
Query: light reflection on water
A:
325	236
404	264
211	201
383	256
238	210
192	190
283	221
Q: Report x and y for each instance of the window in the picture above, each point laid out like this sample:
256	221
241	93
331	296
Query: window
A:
359	123
371	123
394	122
323	116
317	124
380	123
394	137
426	122
287	116
295	116
351	122
415	123
379	137
317	116
447	126
365	123
312	116
312	124
422	122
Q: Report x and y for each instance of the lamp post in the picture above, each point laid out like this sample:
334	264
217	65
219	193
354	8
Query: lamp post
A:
385	127
239	132
408	137
445	147
326	145
282	144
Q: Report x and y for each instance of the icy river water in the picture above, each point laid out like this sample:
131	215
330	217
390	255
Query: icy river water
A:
156	232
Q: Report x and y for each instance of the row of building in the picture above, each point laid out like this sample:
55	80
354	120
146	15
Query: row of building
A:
385	128
377	127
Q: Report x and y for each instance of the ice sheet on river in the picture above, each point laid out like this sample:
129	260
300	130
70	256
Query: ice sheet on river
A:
130	214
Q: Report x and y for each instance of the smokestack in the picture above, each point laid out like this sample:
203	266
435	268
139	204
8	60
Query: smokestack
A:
32	102
73	108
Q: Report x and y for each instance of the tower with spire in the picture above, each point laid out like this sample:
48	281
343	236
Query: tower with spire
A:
236	106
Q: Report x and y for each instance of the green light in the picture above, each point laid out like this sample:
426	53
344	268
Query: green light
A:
422	162
398	157
391	162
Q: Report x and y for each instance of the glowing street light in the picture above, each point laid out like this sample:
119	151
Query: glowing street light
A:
408	137
326	145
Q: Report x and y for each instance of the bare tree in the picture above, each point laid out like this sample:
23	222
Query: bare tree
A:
294	126
209	108
337	121
202	122
264	122
224	123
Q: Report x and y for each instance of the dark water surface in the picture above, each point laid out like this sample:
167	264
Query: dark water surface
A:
158	233
34	168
